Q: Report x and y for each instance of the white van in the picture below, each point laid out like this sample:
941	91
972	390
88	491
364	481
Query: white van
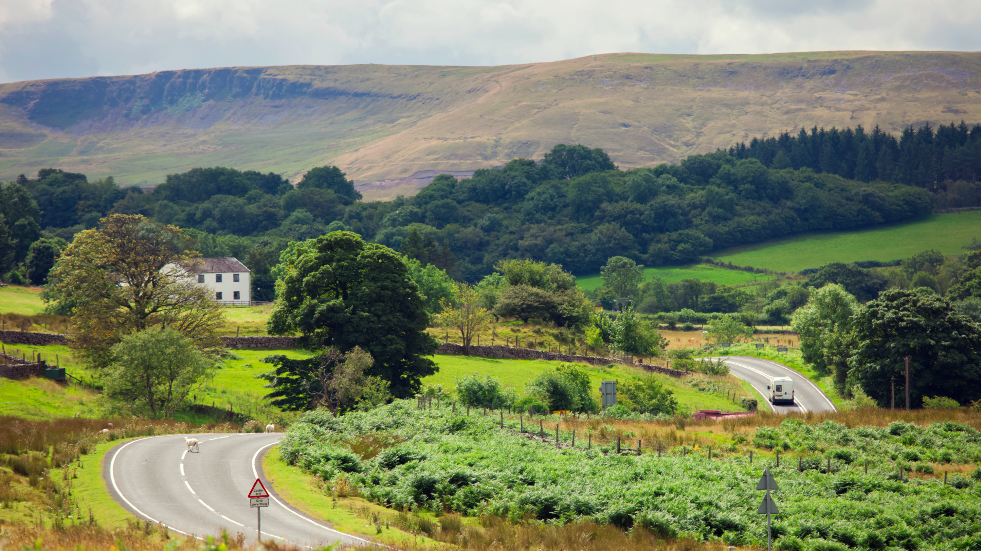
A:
781	389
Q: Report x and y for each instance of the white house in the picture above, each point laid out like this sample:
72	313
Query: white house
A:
227	278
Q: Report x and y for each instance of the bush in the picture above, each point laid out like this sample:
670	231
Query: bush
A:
14	278
253	426
940	402
566	388
687	326
749	404
487	392
712	367
648	395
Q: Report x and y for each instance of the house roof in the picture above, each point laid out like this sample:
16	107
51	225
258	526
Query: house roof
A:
216	266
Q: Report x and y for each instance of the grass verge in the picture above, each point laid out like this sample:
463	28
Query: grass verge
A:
351	515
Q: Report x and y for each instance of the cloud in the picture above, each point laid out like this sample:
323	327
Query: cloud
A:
75	38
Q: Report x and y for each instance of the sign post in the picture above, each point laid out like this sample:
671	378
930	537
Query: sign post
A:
259	498
768	507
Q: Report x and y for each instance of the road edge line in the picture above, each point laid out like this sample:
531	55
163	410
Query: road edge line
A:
285	504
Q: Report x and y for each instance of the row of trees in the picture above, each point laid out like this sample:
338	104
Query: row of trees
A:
575	208
923	157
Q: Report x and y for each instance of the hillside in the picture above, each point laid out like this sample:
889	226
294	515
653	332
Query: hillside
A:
388	122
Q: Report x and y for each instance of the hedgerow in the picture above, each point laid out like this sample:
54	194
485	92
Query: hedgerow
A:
441	460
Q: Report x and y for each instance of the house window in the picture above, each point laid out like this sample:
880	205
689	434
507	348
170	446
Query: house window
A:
236	295
200	278
217	278
235	278
218	295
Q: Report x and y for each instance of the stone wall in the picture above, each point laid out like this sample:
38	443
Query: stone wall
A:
12	367
39	339
34	339
261	342
500	351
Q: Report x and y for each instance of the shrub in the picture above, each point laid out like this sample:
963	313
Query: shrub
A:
14	277
940	402
566	388
712	367
648	395
789	543
253	426
687	326
487	392
959	482
749	404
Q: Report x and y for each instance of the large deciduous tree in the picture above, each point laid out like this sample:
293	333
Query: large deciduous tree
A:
343	293
622	276
824	324
944	348
154	371
125	277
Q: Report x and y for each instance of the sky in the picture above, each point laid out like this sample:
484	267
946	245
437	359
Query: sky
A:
42	39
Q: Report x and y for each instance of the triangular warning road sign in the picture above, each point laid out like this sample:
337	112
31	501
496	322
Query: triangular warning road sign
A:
768	506
767	482
258	490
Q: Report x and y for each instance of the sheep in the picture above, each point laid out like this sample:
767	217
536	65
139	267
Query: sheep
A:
104	431
109	425
192	444
270	428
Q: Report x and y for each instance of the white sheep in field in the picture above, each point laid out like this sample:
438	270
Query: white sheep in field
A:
192	444
270	428
104	431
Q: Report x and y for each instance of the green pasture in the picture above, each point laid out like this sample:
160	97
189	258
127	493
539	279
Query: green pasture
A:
946	233
671	274
517	373
23	301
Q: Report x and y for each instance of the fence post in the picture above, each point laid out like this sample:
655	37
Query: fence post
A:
502	418
778	459
638	447
750	457
710	452
573	438
522	419
557	436
618	445
541	427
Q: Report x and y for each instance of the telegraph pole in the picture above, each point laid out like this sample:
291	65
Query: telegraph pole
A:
907	383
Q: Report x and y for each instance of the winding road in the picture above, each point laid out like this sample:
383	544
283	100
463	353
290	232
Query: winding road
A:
807	396
201	492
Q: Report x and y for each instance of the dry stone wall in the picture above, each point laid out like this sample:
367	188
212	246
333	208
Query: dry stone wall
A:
40	339
500	351
261	342
12	367
33	339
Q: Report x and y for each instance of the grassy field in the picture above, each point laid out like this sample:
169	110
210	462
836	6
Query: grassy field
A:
517	373
24	301
946	233
672	274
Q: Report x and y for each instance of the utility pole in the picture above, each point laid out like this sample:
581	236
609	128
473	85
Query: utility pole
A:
907	383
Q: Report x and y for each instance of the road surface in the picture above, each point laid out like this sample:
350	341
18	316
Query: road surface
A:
807	396
200	492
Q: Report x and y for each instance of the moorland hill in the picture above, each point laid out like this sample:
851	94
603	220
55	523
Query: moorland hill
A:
387	122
